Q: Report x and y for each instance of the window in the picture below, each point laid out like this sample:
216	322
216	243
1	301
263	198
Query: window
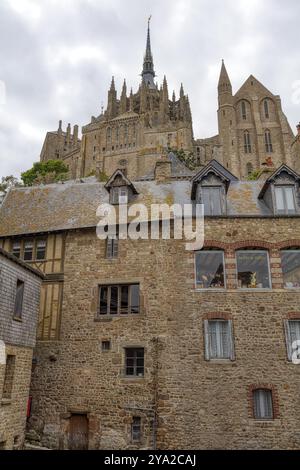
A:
247	142
290	263
244	110
112	247
268	142
19	299
136	429
119	195
28	250
210	269
253	269
285	200
292	333
263	404
249	168
211	198
105	345
134	362
119	299
16	249
40	250
266	109
218	339
9	377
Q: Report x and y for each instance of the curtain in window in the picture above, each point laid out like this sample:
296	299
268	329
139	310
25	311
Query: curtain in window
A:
263	408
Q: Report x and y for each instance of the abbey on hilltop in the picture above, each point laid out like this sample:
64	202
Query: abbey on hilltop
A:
136	130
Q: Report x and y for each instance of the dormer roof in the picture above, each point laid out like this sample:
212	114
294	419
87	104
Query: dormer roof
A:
117	175
215	168
282	169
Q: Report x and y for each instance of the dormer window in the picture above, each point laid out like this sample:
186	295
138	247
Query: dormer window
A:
285	199
119	195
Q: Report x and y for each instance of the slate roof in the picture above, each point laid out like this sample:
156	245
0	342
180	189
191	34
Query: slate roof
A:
21	263
73	205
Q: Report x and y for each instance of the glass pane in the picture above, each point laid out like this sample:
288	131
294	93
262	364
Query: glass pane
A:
135	298
114	300
263	408
209	269
28	249
16	249
253	269
289	199
41	249
124	299
103	300
279	199
290	262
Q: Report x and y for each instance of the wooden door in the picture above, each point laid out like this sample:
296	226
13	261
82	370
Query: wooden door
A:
78	432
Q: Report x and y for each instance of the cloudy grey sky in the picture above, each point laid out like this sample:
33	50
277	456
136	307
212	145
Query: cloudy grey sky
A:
57	58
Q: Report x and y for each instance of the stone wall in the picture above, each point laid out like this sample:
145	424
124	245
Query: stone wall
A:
184	401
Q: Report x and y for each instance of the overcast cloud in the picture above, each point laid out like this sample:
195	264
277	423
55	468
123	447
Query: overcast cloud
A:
57	58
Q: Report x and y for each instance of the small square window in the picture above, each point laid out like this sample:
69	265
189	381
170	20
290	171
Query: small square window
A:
211	198
253	269
105	345
210	269
40	250
263	404
16	249
285	200
112	247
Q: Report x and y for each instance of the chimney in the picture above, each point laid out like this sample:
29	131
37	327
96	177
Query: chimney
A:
59	128
162	171
68	138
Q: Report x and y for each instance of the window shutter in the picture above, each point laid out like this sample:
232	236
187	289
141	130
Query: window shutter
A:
231	341
288	339
206	340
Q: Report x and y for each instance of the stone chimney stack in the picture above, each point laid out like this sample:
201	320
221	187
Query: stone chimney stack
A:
162	171
68	138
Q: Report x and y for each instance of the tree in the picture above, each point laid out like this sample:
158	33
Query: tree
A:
45	173
8	182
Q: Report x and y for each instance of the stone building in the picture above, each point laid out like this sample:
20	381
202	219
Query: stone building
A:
136	128
19	307
143	344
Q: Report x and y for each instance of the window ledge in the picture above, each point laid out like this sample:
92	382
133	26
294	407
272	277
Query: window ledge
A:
18	319
221	361
108	318
266	423
211	289
134	380
6	401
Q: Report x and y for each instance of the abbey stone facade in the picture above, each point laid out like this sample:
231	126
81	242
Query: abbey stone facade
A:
143	344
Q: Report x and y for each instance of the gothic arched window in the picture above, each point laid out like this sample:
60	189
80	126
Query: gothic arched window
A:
266	109
247	142
268	141
244	110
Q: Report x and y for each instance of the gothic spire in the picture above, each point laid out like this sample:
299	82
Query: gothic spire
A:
148	73
224	81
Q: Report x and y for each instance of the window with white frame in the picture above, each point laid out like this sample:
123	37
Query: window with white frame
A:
263	404
210	269
290	264
285	199
253	269
218	339
119	195
292	333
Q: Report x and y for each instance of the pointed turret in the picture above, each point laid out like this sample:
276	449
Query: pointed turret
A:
181	92
112	100
224	85
148	73
123	101
131	100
